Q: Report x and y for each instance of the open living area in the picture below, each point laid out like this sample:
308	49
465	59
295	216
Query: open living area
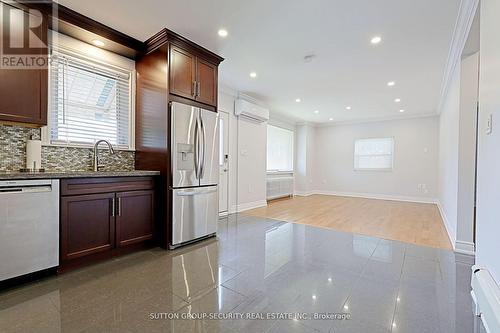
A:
249	166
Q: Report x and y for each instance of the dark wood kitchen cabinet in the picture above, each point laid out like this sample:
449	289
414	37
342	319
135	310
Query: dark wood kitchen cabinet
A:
104	217
23	91
182	73
206	74
135	217
171	69
87	225
192	76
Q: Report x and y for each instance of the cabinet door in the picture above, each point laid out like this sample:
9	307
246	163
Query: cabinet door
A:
134	217
207	82
182	72
87	225
23	92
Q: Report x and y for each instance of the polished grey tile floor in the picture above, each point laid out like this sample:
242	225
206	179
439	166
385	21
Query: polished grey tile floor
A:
256	273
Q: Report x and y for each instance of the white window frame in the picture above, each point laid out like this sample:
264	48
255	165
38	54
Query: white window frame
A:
282	172
391	168
97	61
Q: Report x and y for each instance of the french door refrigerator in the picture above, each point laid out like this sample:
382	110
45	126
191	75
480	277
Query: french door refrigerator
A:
195	173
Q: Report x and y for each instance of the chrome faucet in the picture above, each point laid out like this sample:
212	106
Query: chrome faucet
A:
96	153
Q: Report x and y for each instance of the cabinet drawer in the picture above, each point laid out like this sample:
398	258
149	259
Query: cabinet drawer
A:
78	186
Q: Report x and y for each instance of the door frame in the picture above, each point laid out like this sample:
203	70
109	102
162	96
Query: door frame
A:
227	135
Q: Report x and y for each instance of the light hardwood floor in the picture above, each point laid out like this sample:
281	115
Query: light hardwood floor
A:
409	222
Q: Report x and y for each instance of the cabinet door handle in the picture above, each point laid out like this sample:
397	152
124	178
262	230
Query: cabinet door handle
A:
194	89
119	206
113	207
198	89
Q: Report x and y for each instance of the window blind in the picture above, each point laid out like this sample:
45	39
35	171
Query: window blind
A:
89	102
373	154
279	149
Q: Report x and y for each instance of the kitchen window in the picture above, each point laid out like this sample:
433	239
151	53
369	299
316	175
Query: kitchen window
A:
89	101
374	154
279	149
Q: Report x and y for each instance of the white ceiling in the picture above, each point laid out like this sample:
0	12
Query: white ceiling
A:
271	37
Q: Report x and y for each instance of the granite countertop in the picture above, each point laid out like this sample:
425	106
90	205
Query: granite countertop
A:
76	174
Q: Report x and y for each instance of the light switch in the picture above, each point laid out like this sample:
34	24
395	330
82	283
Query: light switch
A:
489	124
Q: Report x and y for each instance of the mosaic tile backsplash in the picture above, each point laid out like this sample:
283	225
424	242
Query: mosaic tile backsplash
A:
13	154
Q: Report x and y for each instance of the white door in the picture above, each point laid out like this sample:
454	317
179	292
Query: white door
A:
223	162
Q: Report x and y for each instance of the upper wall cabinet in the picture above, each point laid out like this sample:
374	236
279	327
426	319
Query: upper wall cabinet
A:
182	73
23	85
192	77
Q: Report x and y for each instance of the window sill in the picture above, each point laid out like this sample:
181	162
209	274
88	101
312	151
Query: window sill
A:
277	173
84	146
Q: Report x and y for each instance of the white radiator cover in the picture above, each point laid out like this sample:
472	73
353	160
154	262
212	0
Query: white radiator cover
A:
279	187
486	295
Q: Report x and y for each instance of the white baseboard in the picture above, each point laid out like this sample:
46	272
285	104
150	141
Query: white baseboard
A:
377	196
462	247
251	205
465	247
486	295
449	231
303	193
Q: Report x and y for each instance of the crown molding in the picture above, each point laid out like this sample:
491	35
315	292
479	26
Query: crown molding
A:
463	24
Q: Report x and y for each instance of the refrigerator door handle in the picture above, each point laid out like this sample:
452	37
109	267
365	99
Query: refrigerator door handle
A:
203	145
196	150
197	191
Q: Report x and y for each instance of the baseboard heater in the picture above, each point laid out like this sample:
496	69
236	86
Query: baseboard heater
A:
279	187
486	295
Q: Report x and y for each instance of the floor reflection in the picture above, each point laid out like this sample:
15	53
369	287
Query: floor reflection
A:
255	266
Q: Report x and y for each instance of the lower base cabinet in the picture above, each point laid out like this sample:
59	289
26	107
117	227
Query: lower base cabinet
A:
103	218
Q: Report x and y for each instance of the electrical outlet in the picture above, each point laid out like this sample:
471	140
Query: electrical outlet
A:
489	124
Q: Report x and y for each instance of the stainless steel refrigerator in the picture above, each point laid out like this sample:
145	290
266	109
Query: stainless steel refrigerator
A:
195	173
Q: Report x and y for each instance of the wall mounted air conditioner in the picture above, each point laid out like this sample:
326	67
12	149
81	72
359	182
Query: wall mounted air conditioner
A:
251	111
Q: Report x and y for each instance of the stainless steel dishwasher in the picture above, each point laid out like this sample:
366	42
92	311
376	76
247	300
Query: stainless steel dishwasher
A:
29	226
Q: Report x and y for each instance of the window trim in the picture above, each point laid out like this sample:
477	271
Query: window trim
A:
280	172
390	169
45	132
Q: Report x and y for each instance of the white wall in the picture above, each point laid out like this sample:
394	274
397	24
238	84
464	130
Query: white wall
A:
415	160
457	150
488	187
448	156
304	158
252	148
469	75
247	157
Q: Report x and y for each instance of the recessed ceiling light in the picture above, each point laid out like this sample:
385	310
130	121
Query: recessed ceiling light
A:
348	107
298	100
376	40
401	110
316	111
253	75
313	296
330	279
98	42
346	307
391	83
397	100
222	32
